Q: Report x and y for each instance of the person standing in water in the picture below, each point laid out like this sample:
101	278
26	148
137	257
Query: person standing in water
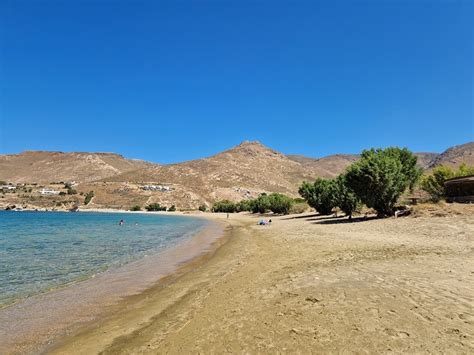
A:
122	222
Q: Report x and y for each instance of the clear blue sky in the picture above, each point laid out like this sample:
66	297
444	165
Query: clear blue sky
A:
169	81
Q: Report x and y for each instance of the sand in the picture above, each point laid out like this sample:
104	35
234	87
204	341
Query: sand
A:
308	285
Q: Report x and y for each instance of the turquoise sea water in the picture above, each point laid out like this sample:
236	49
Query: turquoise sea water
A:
40	251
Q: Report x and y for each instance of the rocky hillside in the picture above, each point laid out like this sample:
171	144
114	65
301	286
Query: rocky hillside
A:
455	156
47	167
327	167
241	172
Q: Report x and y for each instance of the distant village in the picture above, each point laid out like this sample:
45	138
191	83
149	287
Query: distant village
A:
45	191
55	195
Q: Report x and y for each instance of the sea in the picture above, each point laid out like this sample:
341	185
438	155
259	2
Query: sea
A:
44	251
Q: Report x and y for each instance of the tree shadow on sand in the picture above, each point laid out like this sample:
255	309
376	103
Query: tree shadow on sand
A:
341	220
301	217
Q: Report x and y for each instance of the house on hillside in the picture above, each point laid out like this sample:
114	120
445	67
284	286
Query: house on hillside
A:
460	189
48	192
7	188
156	188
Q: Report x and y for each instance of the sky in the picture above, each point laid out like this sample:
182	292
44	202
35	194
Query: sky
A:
169	81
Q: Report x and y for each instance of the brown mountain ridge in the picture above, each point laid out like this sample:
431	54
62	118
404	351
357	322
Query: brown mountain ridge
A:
241	172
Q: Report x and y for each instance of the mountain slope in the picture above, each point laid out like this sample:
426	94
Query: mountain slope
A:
241	172
245	170
327	167
455	156
46	167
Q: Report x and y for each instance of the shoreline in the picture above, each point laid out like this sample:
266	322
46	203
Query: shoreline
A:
83	302
307	284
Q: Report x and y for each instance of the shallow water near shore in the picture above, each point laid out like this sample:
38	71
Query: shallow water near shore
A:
170	245
40	251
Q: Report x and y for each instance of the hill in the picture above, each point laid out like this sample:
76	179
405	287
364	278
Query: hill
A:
455	156
243	171
47	167
327	167
240	172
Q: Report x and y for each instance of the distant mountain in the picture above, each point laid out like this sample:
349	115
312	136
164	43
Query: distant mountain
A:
455	156
47	167
333	165
327	167
425	159
241	172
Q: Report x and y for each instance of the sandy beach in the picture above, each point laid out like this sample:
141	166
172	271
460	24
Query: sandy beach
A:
308	284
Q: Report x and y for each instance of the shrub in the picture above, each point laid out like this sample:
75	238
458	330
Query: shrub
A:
155	207
299	207
62	193
224	206
433	184
244	205
279	203
71	191
261	204
135	208
321	195
88	197
381	176
299	200
202	208
172	208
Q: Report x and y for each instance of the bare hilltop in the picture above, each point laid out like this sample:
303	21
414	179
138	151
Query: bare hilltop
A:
241	172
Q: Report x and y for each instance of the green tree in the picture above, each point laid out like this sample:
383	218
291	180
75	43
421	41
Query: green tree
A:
465	170
225	206
381	176
88	197
203	208
261	204
172	208
410	170
155	207
244	205
135	208
346	199
321	195
279	203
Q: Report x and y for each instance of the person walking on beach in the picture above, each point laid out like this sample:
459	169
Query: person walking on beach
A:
227	216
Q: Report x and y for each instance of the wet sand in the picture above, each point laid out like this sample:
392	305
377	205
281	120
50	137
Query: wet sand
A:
32	325
308	285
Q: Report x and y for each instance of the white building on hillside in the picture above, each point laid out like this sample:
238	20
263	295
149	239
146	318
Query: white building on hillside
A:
46	191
